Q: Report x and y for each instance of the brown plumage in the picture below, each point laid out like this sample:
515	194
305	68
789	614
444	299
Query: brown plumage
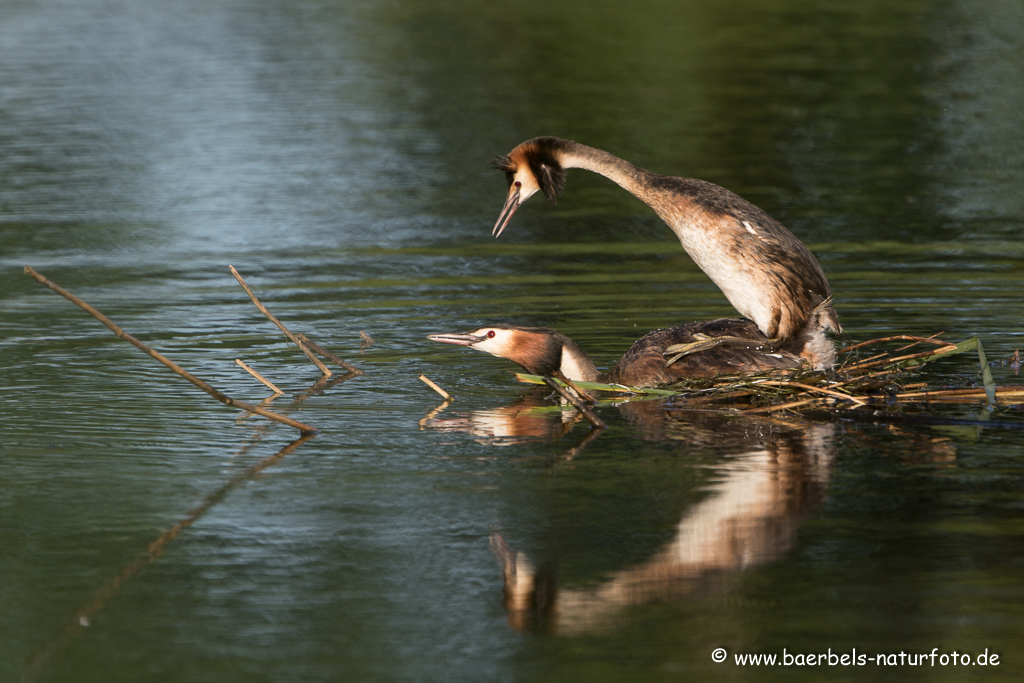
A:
543	351
765	272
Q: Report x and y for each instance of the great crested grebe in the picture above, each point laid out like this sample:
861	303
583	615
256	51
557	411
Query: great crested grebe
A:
765	272
543	351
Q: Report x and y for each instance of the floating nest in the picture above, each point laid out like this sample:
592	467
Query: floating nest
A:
867	376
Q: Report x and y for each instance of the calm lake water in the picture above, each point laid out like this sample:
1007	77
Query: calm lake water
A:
337	155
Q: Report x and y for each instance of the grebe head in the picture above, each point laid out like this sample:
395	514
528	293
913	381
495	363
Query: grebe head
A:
531	167
537	349
497	341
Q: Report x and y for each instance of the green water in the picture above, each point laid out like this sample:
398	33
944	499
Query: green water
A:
337	155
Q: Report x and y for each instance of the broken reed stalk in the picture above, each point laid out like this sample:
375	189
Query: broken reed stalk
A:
577	390
444	394
270	385
862	378
975	391
931	338
817	390
575	402
84	616
945	348
324	370
305	344
898	337
313	346
220	396
426	419
270	316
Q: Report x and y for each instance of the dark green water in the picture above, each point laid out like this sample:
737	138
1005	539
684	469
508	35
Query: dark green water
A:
337	155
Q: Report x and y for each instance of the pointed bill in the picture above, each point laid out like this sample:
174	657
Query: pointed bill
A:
459	339
511	204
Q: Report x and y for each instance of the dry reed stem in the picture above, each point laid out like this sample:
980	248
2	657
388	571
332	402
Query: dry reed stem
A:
301	343
324	370
861	378
444	394
220	396
579	391
240	363
575	402
1001	392
426	419
870	358
969	399
947	396
898	337
915	343
818	390
312	345
899	359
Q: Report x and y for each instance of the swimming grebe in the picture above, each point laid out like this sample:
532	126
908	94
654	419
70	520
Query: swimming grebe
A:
543	351
765	272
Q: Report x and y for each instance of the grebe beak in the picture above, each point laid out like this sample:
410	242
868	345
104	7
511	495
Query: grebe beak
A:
458	339
511	204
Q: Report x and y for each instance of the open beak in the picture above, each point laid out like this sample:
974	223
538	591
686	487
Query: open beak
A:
511	204
459	339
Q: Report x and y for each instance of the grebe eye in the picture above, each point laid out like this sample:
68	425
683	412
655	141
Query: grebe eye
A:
490	334
517	184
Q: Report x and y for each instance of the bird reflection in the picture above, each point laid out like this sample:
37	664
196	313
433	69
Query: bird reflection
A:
750	518
530	418
775	475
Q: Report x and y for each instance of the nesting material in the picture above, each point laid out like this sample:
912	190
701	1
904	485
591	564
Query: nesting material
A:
870	374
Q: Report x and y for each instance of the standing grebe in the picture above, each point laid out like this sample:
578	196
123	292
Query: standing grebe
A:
765	272
543	351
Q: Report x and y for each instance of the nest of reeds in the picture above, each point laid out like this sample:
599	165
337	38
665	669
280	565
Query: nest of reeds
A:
868	375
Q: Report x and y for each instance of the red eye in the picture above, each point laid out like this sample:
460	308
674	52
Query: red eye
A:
517	184
490	334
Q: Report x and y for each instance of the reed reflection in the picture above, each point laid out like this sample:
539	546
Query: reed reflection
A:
774	474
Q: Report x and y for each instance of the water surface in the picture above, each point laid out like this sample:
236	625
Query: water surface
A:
337	155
